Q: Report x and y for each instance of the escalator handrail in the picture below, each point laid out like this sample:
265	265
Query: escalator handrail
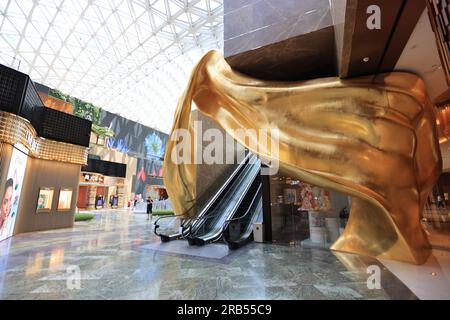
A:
211	216
156	225
202	215
221	189
184	231
238	202
218	214
253	206
210	202
249	207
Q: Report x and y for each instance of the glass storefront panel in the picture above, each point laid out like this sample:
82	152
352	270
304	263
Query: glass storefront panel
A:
310	216
436	214
305	215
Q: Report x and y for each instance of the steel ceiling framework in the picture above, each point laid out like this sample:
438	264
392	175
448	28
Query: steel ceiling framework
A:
130	57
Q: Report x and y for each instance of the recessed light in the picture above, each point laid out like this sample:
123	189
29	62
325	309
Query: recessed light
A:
366	59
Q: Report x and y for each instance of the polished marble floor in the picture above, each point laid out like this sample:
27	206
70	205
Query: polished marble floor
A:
108	258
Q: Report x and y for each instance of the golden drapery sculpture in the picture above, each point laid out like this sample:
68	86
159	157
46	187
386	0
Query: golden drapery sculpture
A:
372	137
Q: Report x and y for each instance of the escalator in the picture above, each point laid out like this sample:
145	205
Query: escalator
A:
238	230
238	198
180	232
186	225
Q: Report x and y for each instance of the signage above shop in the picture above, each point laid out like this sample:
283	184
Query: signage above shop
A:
92	177
32	144
107	168
15	129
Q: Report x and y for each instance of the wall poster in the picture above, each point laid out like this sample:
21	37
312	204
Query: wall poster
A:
12	188
65	199
45	199
314	198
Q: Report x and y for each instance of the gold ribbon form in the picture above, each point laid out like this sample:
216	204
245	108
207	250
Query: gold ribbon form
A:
370	137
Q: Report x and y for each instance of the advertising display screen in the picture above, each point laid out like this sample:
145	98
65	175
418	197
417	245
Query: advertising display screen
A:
10	196
45	200
115	201
65	199
99	201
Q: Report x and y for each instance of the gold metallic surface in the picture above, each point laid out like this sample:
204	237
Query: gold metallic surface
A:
15	129
370	137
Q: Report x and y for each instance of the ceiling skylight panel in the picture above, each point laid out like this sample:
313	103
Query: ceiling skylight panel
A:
115	54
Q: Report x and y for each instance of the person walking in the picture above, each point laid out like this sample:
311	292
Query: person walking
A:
149	207
440	202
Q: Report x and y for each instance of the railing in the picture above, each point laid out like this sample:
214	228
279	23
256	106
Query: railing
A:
203	218
254	202
183	231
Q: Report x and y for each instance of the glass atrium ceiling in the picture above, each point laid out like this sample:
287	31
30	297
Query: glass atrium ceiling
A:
129	57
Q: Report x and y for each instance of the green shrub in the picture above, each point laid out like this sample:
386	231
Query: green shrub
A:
163	212
84	216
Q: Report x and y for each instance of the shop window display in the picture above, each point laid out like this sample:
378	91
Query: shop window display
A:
113	201
304	214
99	201
45	200
65	199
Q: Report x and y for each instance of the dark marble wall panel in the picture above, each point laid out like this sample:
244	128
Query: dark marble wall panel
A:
231	5
338	11
250	24
303	57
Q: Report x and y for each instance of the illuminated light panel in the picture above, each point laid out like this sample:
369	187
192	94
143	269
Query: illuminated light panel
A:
15	129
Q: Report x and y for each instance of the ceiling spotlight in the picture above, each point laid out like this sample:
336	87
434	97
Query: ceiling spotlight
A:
366	59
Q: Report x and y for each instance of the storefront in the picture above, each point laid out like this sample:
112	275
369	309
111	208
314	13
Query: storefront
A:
39	178
102	185
149	182
106	192
41	154
297	213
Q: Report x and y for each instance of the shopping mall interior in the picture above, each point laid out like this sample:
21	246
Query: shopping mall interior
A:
224	150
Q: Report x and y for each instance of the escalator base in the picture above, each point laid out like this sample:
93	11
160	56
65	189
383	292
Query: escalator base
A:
199	242
165	238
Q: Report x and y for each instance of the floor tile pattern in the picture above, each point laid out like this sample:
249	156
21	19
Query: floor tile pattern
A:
107	259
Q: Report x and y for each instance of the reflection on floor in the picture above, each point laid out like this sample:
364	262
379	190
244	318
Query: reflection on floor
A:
428	281
216	251
110	257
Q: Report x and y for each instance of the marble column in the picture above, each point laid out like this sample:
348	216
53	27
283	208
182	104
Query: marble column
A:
92	193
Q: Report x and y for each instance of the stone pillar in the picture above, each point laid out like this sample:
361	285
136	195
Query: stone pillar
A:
92	193
211	177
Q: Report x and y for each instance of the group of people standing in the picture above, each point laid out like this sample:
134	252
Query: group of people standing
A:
149	205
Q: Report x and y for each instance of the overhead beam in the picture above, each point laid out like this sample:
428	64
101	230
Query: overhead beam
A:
410	15
370	51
